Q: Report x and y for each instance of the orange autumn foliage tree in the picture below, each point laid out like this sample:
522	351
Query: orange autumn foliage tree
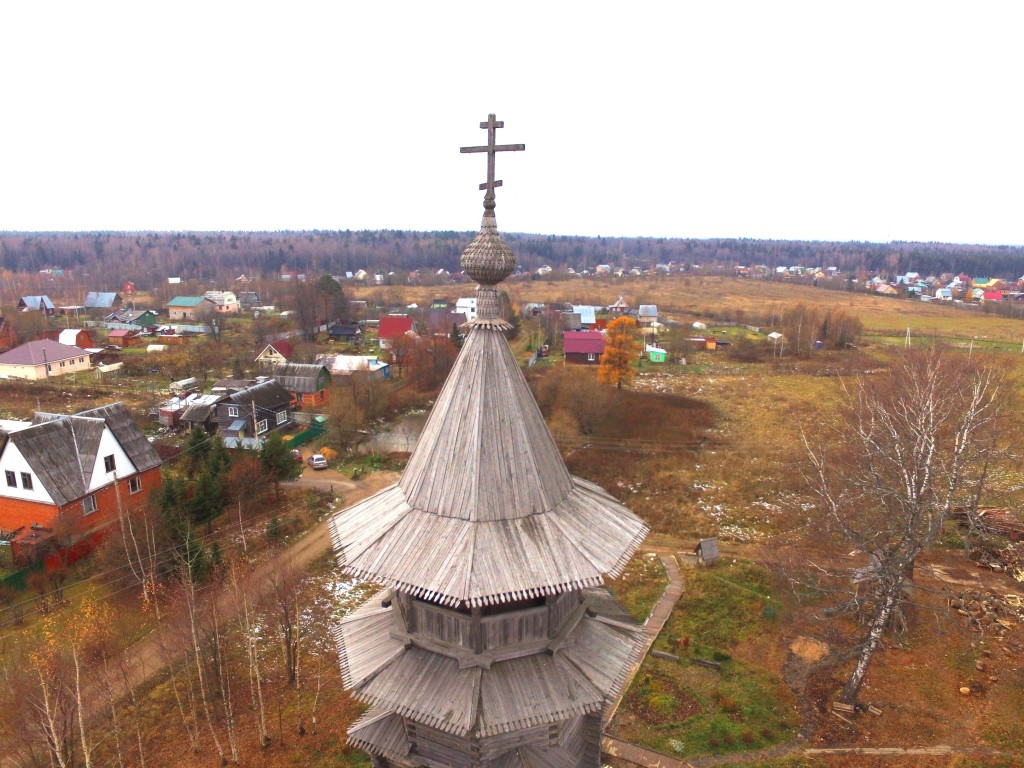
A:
618	363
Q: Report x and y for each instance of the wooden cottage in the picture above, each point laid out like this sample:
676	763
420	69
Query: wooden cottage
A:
254	411
308	383
583	347
494	642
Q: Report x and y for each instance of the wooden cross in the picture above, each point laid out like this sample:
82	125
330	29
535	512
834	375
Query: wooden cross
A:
491	149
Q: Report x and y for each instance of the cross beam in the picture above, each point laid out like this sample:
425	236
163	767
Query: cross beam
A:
492	148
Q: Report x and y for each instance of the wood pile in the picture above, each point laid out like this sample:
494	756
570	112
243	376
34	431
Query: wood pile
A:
1008	559
988	612
998	520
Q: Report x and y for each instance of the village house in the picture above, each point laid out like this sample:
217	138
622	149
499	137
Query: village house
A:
43	359
225	302
248	299
189	307
37	304
124	337
99	303
78	472
588	315
244	417
583	347
341	332
276	353
144	318
467	306
308	383
71	337
391	328
647	314
620	307
200	411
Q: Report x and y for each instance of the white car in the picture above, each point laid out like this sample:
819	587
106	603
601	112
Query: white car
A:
317	461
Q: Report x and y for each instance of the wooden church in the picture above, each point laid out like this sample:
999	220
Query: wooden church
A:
494	642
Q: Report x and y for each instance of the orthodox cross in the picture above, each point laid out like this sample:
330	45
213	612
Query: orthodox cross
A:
491	149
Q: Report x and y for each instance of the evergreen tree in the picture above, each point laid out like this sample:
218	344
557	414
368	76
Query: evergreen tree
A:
277	461
208	497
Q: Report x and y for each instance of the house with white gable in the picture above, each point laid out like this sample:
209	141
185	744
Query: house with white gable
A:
81	473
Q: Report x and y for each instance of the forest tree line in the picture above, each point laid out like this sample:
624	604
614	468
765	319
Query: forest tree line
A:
149	258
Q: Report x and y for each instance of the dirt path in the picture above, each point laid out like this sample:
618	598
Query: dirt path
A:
152	652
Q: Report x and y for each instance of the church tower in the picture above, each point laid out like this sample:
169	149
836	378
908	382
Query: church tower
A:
493	643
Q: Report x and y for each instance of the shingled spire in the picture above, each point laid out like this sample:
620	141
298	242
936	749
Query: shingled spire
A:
492	552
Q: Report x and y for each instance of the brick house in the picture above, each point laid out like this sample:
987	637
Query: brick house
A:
83	470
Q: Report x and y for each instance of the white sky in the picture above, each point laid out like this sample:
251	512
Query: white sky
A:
819	120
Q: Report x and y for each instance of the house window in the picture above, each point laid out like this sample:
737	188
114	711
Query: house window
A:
11	480
233	411
89	504
282	417
81	359
261	427
61	363
49	367
135	484
26	481
109	465
590	357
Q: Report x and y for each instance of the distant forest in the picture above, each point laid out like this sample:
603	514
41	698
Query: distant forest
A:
106	259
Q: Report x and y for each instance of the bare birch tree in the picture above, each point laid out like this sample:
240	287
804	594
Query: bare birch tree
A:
905	452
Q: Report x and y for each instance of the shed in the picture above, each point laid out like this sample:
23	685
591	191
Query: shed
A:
656	354
185	384
706	551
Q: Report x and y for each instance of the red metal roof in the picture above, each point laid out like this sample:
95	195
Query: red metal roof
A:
586	342
393	326
284	347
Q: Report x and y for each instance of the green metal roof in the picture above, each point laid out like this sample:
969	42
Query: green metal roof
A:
186	301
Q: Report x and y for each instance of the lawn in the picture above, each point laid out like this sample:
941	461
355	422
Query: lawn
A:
679	708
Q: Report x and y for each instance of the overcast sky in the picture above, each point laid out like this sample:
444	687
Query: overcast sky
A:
819	120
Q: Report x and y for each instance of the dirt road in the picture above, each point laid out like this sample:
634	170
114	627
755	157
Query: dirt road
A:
152	652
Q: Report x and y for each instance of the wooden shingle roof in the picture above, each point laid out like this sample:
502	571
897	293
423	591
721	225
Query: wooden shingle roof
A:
486	511
575	677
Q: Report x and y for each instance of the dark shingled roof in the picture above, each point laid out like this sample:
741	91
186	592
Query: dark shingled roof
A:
62	452
266	394
142	454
